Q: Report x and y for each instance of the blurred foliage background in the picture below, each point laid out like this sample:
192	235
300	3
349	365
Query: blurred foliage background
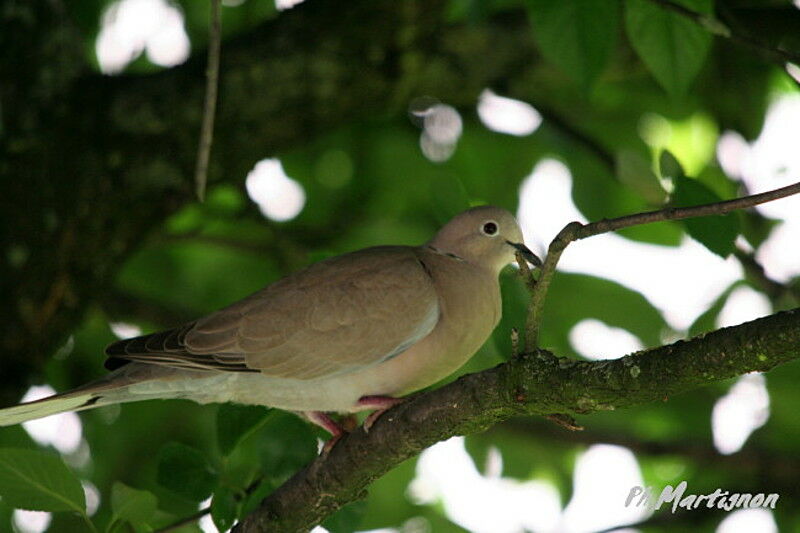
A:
100	226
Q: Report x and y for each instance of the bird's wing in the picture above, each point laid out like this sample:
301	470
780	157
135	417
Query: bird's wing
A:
336	316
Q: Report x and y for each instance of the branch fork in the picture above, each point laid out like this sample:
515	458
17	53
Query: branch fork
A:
535	382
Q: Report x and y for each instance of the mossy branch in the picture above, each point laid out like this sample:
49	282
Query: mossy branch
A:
534	383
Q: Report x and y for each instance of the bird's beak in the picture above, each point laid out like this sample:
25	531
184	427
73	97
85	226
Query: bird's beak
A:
529	256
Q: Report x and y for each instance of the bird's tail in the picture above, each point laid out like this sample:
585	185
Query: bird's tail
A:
69	401
116	387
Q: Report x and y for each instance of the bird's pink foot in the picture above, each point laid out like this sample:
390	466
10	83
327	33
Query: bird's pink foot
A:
329	444
328	424
381	404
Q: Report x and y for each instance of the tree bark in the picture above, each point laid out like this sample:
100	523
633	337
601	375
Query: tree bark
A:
531	384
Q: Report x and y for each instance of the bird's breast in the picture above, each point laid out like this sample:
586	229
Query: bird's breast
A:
470	308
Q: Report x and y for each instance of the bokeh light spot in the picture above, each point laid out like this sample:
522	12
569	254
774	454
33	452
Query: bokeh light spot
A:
595	340
278	196
748	521
124	330
441	128
507	115
447	474
743	305
31	521
603	477
740	412
62	431
130	27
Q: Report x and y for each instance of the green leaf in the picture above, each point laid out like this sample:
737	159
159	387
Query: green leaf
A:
669	166
756	227
39	481
717	233
224	508
236	422
253	500
287	443
131	506
185	471
672	46
576	35
635	171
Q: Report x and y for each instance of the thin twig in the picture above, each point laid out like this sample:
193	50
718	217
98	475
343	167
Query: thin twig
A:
575	231
210	104
525	272
565	421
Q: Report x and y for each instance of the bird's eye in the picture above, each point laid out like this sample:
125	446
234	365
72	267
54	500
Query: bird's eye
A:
490	228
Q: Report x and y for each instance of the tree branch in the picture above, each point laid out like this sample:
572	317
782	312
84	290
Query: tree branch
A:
575	231
533	384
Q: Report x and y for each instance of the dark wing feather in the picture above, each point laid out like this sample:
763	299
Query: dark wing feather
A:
168	348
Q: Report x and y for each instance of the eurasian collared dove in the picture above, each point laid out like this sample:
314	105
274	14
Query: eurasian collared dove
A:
350	333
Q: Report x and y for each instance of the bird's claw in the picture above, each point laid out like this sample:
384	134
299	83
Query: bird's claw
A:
381	404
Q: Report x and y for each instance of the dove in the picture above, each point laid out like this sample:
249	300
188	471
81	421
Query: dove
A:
350	333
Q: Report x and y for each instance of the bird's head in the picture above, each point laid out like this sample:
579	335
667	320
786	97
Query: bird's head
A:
486	235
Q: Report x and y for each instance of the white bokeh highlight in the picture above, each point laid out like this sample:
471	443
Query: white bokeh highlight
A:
595	340
62	431
603	477
30	521
278	196
441	128
283	5
92	495
748	521
773	161
130	27
741	411
743	305
732	148
507	115
447	474
681	281
792	69
124	330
